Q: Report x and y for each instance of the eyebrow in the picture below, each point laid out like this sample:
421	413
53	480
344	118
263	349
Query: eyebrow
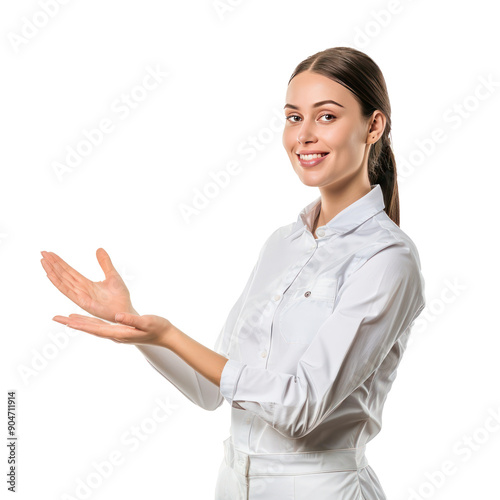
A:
320	103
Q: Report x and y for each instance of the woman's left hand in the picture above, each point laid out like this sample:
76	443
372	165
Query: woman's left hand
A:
132	329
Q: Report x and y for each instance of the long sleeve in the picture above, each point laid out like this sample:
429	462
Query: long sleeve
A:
186	379
194	386
375	305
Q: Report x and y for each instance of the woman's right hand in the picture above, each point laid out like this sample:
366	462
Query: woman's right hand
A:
102	299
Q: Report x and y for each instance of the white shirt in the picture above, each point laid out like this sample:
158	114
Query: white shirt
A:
315	338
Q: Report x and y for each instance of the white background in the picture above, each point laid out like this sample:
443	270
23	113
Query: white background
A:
227	76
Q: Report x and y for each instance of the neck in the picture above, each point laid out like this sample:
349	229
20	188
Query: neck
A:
334	201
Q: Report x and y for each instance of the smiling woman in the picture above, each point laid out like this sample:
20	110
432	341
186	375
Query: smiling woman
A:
309	351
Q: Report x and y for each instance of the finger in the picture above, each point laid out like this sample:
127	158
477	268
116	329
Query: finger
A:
73	293
109	331
105	262
66	273
59	264
61	319
89	318
130	319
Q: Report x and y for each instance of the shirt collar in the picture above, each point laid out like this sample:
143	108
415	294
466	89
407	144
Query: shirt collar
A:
349	218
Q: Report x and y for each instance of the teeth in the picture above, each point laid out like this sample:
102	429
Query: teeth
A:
312	157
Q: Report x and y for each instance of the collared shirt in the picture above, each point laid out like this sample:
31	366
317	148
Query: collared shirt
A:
316	336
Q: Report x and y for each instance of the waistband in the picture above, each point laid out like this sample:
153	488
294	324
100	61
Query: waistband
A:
272	464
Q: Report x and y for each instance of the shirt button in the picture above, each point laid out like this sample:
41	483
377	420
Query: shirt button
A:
277	297
263	354
320	232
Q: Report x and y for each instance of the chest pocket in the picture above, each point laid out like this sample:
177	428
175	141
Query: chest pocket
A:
306	310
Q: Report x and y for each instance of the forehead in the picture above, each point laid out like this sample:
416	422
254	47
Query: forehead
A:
307	88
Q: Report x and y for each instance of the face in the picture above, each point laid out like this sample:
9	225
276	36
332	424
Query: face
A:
337	129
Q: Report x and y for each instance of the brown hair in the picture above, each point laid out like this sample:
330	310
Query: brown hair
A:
360	74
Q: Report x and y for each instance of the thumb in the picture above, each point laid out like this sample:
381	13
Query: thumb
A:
128	319
105	262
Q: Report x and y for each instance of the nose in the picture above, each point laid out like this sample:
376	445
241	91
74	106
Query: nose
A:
306	133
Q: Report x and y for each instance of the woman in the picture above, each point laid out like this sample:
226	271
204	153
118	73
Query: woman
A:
310	349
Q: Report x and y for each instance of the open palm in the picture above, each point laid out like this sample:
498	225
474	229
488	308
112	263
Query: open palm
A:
102	299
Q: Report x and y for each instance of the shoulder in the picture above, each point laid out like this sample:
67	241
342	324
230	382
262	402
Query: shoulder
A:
382	233
387	267
387	252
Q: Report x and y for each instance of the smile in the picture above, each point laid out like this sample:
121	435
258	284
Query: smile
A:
311	160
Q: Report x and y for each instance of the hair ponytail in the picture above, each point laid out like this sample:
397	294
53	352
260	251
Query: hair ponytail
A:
382	170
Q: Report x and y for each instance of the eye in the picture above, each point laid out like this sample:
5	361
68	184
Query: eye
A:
292	116
328	114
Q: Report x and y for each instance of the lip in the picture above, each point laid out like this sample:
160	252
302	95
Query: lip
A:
311	152
311	163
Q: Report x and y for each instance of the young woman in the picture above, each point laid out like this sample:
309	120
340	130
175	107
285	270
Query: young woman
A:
311	347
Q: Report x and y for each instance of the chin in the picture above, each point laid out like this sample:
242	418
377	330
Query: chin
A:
310	180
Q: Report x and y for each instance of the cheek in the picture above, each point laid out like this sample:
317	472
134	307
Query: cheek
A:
344	140
287	140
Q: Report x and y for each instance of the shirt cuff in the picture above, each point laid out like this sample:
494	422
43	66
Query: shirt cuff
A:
229	378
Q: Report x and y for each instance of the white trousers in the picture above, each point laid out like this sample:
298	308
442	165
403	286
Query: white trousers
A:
342	474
